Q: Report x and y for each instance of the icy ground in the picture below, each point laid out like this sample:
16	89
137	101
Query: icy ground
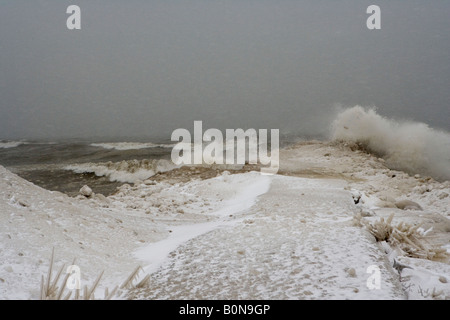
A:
296	242
235	236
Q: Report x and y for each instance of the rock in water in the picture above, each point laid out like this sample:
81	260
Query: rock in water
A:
408	205
86	191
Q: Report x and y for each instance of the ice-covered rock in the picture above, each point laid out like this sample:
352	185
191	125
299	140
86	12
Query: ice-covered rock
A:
86	191
408	205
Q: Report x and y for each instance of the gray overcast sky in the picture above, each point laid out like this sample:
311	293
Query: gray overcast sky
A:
144	68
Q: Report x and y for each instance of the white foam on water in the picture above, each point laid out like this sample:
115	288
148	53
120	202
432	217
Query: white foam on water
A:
130	145
125	171
10	144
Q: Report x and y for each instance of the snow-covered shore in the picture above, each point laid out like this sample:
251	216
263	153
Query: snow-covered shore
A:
288	236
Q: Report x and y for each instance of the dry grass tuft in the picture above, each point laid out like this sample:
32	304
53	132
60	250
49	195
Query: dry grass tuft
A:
404	237
56	288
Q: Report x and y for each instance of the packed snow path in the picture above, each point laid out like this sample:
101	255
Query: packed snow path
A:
297	241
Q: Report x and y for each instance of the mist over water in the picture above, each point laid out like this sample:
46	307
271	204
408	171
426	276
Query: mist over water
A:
137	70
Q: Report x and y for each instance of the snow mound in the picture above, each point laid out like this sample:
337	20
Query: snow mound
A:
33	221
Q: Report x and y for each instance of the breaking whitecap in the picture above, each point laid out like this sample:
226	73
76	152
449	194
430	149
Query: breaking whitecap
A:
10	144
127	171
121	146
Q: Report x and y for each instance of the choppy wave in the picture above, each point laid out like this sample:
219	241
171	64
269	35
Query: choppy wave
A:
10	144
130	145
409	146
125	171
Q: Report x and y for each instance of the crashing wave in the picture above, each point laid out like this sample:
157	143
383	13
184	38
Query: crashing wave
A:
413	147
127	171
